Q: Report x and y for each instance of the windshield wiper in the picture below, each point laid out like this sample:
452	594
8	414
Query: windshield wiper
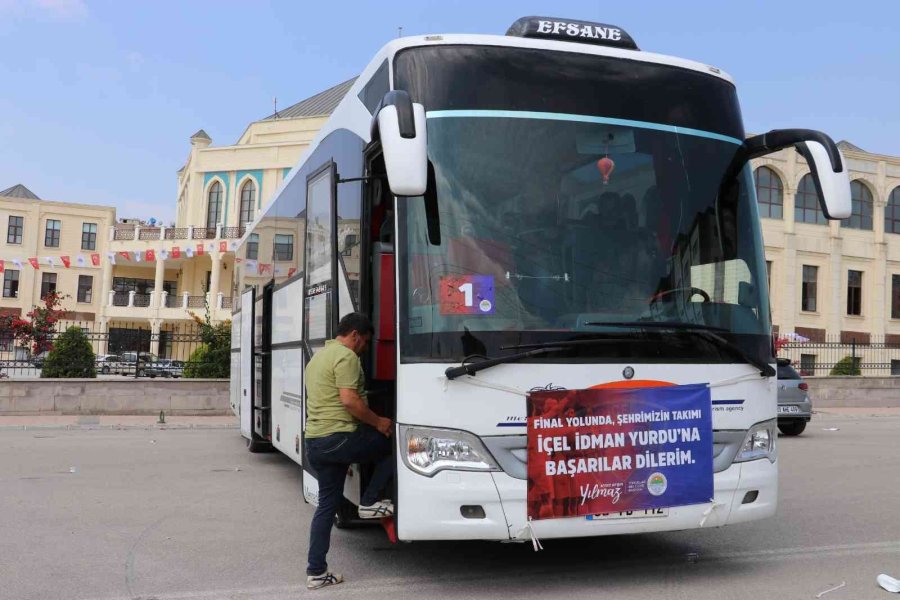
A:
567	343
706	332
472	368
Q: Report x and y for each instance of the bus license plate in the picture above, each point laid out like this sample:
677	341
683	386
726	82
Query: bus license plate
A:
631	514
788	409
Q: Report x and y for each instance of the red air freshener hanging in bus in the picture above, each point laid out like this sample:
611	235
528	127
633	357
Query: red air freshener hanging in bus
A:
606	165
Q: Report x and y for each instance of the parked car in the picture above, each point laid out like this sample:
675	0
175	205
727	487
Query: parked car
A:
171	368
38	360
794	405
108	363
145	368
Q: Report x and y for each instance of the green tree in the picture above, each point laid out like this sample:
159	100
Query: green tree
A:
212	359
848	365
71	356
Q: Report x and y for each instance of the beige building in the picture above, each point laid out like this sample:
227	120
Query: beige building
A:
53	233
221	189
833	280
154	276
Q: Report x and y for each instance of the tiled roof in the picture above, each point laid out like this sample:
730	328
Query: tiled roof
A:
845	145
19	191
321	104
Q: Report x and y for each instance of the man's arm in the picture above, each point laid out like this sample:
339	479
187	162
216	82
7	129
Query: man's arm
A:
355	405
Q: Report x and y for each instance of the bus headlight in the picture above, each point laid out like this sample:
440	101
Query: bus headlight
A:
427	450
759	443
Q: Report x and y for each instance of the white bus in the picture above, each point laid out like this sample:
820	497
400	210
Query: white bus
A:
552	208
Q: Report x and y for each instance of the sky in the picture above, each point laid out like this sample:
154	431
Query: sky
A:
100	98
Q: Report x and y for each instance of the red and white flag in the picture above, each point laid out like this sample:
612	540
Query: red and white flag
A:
1	266
34	263
291	272
223	246
66	261
150	256
199	249
176	252
124	255
95	260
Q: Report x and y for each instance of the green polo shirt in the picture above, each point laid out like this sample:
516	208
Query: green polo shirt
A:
333	367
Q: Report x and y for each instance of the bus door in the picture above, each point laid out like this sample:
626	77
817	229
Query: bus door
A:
246	381
262	367
319	314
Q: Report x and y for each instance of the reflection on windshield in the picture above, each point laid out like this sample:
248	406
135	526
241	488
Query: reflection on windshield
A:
551	223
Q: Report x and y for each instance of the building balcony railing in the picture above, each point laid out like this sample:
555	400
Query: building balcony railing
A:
141	300
151	234
204	233
231	233
177	233
120	299
196	302
165	300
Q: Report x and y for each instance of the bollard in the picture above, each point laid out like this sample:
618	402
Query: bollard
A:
162	417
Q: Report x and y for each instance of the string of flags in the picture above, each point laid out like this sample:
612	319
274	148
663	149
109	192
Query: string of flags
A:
51	261
137	256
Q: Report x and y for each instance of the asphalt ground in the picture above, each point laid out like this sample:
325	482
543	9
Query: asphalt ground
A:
135	511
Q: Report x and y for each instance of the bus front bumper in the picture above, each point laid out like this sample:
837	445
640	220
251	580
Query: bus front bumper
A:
431	508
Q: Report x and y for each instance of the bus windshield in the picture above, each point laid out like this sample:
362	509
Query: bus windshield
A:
553	222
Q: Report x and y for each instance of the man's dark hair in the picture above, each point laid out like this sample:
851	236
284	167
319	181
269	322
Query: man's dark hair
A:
355	322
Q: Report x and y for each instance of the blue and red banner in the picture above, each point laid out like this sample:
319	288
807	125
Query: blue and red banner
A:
597	451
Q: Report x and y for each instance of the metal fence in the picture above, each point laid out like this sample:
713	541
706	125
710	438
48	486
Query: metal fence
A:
122	350
875	356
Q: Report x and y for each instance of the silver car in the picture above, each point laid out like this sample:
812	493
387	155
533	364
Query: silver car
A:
794	405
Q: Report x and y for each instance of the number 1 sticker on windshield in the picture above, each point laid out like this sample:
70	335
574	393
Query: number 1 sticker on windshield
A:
467	295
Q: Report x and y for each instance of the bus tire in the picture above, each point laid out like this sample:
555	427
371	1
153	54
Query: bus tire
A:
792	428
347	516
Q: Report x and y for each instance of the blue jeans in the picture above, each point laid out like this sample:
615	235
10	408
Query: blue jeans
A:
331	456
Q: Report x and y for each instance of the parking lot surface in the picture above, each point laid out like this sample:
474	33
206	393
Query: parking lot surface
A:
94	512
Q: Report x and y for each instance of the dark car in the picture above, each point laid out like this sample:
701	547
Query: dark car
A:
794	405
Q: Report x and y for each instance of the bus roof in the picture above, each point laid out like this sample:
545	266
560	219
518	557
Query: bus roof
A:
352	115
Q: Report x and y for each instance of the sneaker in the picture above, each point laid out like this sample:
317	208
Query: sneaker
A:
314	582
382	508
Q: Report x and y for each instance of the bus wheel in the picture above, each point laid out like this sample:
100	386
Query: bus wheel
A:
347	516
792	428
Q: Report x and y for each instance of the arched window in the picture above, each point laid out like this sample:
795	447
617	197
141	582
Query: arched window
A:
214	206
248	201
892	212
806	203
861	201
769	193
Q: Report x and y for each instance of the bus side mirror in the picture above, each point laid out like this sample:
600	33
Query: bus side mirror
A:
400	125
826	163
833	186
